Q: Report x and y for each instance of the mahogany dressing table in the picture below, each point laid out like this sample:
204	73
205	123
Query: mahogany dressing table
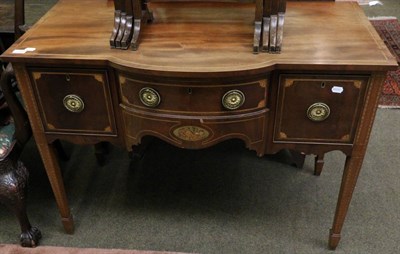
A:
195	82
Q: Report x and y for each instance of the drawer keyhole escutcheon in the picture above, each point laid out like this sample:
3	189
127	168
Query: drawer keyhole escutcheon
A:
67	78
233	99
318	112
73	103
149	97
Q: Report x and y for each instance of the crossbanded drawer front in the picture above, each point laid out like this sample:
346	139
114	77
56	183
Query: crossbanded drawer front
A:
196	133
319	108
72	101
197	98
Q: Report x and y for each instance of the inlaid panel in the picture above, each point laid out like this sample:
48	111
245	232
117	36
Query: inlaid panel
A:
208	97
72	101
314	108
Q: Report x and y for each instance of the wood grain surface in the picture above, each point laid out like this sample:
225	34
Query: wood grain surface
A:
208	37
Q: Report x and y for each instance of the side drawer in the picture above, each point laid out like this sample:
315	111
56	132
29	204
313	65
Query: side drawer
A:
319	108
73	101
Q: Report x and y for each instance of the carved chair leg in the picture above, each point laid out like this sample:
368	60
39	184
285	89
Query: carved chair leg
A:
30	236
13	185
319	164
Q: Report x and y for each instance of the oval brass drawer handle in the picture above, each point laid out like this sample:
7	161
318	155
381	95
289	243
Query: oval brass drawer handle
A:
149	97
233	99
318	112
73	103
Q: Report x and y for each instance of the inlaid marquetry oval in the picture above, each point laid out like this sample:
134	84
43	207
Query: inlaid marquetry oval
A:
191	133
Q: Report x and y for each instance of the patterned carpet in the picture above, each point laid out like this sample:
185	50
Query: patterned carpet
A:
389	30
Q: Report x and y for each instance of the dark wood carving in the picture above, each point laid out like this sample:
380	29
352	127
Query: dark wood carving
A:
13	190
13	174
128	17
268	24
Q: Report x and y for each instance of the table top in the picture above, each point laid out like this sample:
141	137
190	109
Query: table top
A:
207	37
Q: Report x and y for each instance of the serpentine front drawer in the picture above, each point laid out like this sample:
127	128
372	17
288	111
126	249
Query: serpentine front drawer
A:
319	108
73	101
200	97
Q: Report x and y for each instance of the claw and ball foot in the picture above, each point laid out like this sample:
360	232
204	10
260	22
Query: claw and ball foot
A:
13	184
31	237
